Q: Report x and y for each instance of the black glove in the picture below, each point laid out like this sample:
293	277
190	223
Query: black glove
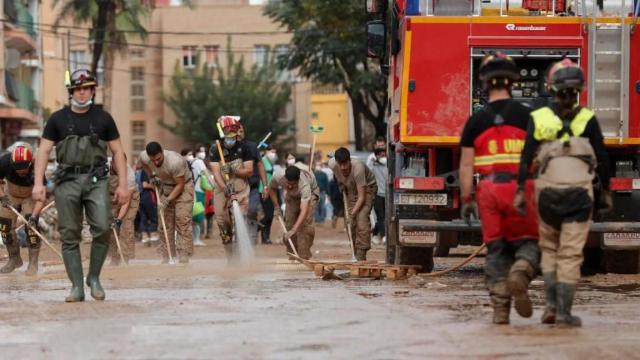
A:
156	182
520	203
4	201
33	221
116	224
605	202
469	208
229	190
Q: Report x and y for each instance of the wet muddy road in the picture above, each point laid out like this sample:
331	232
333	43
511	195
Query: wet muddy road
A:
206	310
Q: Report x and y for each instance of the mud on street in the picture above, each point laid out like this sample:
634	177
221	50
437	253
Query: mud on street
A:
207	310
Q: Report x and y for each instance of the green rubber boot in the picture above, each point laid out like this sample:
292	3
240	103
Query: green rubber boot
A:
73	265
565	294
549	315
99	252
15	261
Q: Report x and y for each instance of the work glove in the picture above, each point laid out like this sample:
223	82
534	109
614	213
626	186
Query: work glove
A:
605	202
155	181
116	224
33	221
520	203
164	203
229	190
469	208
278	212
227	169
4	201
290	233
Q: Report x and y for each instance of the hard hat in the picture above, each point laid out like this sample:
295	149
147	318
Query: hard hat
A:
498	65
230	125
81	77
21	156
565	74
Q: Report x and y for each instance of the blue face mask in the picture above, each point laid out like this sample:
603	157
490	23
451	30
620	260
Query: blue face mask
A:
229	142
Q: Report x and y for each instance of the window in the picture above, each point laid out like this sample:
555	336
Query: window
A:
137	145
282	54
138	128
137	54
189	56
137	93
260	53
211	52
76	60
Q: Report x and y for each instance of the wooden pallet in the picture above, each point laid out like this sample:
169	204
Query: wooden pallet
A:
360	269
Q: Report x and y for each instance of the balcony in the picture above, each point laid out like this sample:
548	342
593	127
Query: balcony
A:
20	32
23	99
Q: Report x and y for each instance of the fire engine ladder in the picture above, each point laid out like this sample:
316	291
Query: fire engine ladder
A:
608	85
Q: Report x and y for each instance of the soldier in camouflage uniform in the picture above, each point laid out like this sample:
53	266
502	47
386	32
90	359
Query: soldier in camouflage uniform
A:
123	218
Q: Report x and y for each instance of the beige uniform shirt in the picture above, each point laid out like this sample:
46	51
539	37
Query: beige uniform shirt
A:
173	166
307	186
360	176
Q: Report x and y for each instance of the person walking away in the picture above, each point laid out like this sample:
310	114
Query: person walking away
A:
81	134
358	183
172	178
567	144
123	218
268	161
238	168
379	169
16	170
491	143
301	196
323	185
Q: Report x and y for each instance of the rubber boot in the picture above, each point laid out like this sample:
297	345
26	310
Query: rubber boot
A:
501	308
361	254
99	253
15	261
73	265
564	301
520	275
228	251
549	315
32	269
183	258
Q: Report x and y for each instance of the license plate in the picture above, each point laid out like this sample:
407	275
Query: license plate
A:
423	199
418	237
621	239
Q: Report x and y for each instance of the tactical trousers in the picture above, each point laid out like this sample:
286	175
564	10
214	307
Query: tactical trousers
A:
20	198
177	217
361	225
223	209
78	193
303	239
127	240
564	218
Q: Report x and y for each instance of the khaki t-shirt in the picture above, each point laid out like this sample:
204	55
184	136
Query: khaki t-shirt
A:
173	166
360	176
307	186
131	181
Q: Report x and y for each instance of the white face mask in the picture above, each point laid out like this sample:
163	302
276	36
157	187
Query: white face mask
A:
190	158
201	155
383	160
291	161
79	105
273	157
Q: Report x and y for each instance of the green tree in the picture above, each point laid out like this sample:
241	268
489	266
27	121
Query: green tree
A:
199	96
328	46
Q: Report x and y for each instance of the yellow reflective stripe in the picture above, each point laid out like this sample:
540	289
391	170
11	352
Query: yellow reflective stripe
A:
496	159
547	124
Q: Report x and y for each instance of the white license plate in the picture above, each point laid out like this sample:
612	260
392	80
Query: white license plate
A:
423	199
621	239
418	237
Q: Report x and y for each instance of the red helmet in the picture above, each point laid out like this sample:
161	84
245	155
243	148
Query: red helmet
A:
230	125
21	156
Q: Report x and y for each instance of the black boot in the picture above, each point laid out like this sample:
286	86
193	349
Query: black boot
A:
15	261
32	269
73	265
520	275
549	315
564	301
99	251
361	254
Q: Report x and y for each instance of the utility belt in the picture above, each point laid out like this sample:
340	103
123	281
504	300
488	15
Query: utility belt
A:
501	177
67	172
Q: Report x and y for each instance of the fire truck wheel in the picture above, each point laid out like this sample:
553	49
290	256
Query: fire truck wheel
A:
422	256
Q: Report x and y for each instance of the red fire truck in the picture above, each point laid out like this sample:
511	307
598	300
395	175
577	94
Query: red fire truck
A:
431	50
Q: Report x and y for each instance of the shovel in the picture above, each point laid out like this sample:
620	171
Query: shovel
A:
115	234
347	217
44	239
164	228
284	229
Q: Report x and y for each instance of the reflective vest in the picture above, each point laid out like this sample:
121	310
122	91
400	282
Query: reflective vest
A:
549	127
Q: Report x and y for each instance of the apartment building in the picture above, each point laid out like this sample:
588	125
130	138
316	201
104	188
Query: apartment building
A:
21	77
178	35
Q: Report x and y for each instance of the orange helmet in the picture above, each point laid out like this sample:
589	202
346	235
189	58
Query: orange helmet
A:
230	125
21	156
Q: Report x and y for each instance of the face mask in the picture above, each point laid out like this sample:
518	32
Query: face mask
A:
273	157
190	158
229	142
291	161
79	105
383	160
201	155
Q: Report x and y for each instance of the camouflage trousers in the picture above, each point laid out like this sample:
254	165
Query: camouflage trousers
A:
126	235
303	239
